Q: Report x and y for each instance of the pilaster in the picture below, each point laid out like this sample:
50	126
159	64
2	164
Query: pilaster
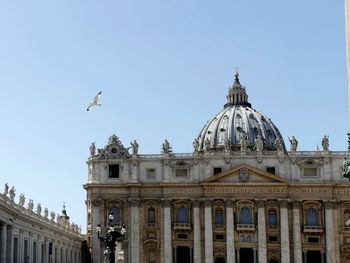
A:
285	252
260	203
134	242
197	253
3	242
330	249
167	246
208	230
230	238
296	232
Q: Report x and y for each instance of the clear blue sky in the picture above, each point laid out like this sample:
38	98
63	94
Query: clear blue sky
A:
164	68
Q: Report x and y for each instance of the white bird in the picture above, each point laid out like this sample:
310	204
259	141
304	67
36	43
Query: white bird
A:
95	102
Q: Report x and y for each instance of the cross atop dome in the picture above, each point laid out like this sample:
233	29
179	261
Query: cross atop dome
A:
237	94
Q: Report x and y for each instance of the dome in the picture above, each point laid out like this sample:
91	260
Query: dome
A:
239	127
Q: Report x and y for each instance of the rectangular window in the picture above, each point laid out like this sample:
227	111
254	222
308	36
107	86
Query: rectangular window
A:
219	237
181	172
271	170
217	170
310	172
313	240
113	171
151	173
273	239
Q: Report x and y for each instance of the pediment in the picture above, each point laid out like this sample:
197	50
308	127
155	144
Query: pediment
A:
245	174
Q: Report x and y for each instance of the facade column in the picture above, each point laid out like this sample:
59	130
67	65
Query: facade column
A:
230	234
134	242
167	246
330	249
238	255
261	231
284	225
296	232
197	253
3	242
255	255
208	231
95	220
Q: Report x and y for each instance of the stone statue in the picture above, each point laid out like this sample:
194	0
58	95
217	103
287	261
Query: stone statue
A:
207	144
278	144
6	189
325	143
52	215
293	144
12	193
243	139
135	147
166	147
195	145
259	144
46	212
38	208
346	168
30	205
227	142
92	149
21	200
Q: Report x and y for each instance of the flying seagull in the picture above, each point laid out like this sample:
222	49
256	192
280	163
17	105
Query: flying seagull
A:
95	102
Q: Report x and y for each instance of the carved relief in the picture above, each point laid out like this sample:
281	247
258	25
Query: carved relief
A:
96	202
165	202
283	203
244	174
260	203
134	202
196	202
229	202
207	202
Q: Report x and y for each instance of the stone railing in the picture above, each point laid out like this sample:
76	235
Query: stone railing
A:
53	221
245	227
182	226
313	229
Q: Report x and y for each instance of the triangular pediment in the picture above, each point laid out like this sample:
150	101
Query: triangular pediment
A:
245	174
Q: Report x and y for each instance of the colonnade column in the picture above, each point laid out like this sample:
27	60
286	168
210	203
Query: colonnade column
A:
330	249
285	252
167	246
230	237
197	254
208	230
134	242
262	254
3	242
296	232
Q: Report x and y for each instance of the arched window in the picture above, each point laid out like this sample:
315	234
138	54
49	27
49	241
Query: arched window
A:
182	215
272	217
245	216
311	217
219	216
151	215
116	215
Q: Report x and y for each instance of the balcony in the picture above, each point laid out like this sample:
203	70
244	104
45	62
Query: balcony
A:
245	227
182	226
313	229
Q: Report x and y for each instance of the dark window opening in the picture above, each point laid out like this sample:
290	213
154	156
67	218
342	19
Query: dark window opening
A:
313	240
271	170
273	239
219	237
217	170
114	171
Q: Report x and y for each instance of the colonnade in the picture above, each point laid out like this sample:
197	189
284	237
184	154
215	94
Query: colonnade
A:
21	246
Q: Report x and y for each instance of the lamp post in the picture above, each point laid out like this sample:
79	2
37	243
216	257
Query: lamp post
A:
113	237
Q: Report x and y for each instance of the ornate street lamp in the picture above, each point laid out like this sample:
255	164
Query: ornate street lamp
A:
114	236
